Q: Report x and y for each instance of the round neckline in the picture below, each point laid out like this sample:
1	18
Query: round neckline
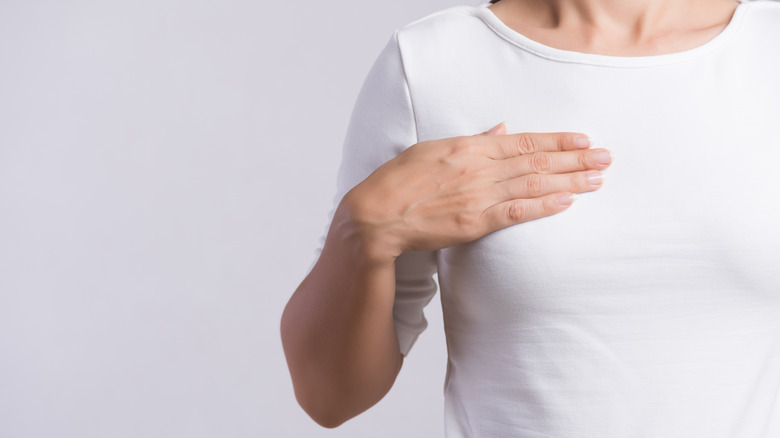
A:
499	27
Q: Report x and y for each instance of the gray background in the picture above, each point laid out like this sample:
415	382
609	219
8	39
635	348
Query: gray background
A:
166	170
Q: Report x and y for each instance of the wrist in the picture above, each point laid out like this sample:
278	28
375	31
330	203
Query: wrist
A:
364	232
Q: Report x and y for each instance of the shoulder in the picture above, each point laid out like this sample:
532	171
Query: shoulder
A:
457	26
758	27
445	20
762	12
764	5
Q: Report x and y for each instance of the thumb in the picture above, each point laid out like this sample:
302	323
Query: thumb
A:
499	129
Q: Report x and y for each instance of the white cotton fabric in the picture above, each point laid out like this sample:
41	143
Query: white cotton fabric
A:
651	307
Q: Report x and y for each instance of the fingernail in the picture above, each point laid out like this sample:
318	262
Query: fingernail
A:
602	156
495	129
582	142
567	199
595	178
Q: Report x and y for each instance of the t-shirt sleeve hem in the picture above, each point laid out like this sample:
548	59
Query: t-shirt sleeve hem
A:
406	340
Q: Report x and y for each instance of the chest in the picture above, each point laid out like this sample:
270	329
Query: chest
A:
688	214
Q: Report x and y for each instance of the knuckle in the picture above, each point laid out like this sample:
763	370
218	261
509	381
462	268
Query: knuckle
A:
446	161
515	212
527	144
466	222
464	145
456	146
582	160
540	162
534	185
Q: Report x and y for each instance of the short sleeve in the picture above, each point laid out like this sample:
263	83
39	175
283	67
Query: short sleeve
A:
381	127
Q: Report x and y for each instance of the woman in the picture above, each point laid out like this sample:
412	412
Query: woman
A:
649	309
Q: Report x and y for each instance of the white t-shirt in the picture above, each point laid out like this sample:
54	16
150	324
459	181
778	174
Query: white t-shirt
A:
651	307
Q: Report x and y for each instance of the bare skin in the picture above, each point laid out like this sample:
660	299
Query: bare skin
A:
337	329
617	27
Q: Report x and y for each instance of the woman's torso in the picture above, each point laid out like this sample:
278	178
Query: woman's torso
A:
652	306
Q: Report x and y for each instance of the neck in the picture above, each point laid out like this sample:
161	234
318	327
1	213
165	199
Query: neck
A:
617	25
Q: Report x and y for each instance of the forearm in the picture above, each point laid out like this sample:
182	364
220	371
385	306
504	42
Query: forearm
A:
338	332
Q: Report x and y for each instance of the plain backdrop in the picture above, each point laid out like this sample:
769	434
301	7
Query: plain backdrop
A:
166	170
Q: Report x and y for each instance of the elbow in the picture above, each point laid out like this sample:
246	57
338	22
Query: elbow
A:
321	402
332	407
328	414
327	420
330	389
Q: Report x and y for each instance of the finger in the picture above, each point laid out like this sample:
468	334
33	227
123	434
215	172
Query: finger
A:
517	211
534	185
499	129
515	145
553	162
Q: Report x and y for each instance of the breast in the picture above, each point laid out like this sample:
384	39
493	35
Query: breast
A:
700	229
